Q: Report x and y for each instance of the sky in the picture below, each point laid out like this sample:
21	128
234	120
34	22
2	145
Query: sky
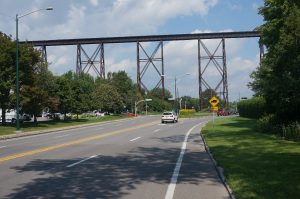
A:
109	18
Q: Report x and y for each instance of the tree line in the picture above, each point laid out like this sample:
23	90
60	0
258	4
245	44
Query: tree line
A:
276	82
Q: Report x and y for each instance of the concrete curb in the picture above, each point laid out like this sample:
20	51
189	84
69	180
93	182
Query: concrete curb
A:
219	169
30	133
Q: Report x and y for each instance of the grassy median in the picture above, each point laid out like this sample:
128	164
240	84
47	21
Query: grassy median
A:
44	125
256	165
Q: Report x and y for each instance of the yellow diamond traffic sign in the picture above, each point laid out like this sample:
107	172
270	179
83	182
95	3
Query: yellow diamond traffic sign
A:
214	101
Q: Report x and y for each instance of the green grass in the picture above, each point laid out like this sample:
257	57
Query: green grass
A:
196	114
25	127
256	165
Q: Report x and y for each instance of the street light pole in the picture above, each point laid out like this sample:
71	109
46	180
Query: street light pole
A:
136	103
17	66
17	75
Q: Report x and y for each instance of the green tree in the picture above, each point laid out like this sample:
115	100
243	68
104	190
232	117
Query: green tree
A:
28	58
124	85
207	95
65	92
278	77
107	98
83	86
157	92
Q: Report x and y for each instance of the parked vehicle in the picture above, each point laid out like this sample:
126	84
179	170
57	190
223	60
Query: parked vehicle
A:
169	117
27	117
222	112
129	114
11	116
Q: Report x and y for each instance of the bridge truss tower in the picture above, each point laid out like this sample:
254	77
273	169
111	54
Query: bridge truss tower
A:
96	62
212	58
155	60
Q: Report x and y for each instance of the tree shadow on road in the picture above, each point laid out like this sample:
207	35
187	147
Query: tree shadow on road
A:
111	176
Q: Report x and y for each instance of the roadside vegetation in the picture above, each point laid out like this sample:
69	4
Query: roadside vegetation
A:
256	165
276	82
260	151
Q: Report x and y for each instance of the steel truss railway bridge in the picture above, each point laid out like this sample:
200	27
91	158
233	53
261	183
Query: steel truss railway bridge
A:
154	59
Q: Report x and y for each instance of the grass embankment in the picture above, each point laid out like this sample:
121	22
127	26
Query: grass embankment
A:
256	165
196	114
43	125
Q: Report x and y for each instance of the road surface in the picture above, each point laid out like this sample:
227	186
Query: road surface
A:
138	158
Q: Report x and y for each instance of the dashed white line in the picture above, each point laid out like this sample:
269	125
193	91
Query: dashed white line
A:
1	147
156	130
62	136
172	185
76	163
135	139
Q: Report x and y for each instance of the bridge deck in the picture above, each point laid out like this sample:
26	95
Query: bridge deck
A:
148	38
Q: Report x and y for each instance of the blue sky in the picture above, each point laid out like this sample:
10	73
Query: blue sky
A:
106	18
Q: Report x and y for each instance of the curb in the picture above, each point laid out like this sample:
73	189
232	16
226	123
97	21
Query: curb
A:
219	169
30	133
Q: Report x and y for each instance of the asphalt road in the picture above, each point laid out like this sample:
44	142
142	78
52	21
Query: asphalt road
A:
138	158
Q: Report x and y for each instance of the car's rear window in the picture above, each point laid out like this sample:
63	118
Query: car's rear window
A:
167	113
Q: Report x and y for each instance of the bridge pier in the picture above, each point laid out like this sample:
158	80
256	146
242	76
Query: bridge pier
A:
221	69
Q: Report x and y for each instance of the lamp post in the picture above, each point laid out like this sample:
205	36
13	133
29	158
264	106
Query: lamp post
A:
136	103
17	65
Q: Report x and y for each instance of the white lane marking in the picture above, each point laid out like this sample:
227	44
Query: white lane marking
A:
62	136
135	139
156	130
172	185
162	124
1	147
76	163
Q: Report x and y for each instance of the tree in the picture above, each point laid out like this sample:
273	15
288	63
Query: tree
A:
278	77
35	97
157	92
207	95
124	86
83	87
64	92
28	58
107	98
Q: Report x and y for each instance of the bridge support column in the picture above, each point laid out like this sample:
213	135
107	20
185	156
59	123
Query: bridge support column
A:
144	63
43	51
222	87
91	62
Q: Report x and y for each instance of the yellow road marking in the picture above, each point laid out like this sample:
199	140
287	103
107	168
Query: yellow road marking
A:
40	150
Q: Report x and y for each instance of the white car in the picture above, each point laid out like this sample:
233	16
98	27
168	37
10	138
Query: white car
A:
169	117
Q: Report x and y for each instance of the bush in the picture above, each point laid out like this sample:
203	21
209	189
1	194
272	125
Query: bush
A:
252	108
187	111
267	124
291	131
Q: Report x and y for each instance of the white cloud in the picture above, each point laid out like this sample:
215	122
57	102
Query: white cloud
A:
94	2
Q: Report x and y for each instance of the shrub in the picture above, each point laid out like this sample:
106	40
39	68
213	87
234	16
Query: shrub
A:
252	108
267	124
187	111
291	131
